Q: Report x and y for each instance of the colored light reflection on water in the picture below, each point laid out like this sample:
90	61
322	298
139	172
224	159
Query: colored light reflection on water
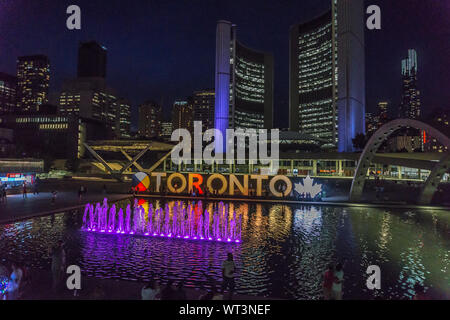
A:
283	253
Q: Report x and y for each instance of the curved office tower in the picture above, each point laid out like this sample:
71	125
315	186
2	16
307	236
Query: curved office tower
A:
244	84
327	75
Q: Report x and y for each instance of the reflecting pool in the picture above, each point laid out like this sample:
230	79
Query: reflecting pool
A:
283	253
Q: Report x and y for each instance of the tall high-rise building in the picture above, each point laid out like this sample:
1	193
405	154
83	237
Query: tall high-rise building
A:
372	123
244	83
166	130
182	115
327	75
203	105
90	98
383	109
92	59
33	78
410	103
8	93
123	118
150	117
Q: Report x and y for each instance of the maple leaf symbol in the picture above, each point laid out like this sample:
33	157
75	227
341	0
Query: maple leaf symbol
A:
308	187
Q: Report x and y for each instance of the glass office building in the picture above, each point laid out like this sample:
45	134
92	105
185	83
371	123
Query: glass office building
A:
244	83
33	75
327	77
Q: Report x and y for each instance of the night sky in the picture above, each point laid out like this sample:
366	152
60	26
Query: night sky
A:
163	50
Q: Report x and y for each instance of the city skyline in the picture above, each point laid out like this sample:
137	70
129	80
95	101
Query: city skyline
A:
138	87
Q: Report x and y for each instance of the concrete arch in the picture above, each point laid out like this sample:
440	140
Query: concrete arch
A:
433	180
376	141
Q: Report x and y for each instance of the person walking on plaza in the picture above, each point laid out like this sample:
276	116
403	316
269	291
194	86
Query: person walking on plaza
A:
228	270
328	279
80	193
2	193
54	193
58	255
14	282
337	283
24	190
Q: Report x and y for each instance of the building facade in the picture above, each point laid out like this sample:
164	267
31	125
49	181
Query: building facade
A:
243	84
182	115
327	75
166	130
203	108
123	127
52	135
8	93
150	117
33	78
92	59
410	105
90	98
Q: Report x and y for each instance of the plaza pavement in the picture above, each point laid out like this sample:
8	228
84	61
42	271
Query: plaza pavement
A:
17	208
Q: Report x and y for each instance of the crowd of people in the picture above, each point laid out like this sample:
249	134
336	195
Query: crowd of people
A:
154	291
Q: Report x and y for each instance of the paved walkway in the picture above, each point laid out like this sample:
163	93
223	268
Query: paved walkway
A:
17	208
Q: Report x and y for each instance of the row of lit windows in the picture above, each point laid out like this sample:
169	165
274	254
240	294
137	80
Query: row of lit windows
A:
59	126
40	119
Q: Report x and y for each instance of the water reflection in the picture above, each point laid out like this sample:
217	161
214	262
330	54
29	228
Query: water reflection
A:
284	249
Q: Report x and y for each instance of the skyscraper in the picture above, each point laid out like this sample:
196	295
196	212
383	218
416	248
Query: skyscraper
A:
33	76
90	98
123	118
383	109
327	75
410	103
244	83
166	130
150	117
182	115
203	108
91	60
8	93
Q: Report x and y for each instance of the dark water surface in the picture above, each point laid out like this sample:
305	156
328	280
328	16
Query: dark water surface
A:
284	250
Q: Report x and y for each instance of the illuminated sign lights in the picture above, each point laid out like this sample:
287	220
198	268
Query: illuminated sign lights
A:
279	186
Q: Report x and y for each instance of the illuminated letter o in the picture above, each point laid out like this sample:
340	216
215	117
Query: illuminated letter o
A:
183	183
288	183
211	178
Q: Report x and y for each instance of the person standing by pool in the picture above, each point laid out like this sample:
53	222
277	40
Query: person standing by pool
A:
228	269
150	291
167	292
180	293
337	283
328	279
4	280
58	255
14	282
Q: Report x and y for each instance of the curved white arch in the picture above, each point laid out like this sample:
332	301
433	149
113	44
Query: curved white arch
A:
374	144
433	180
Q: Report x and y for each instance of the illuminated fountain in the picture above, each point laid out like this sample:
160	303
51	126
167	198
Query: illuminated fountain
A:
189	222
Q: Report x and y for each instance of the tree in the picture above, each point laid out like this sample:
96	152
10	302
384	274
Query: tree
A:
359	142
